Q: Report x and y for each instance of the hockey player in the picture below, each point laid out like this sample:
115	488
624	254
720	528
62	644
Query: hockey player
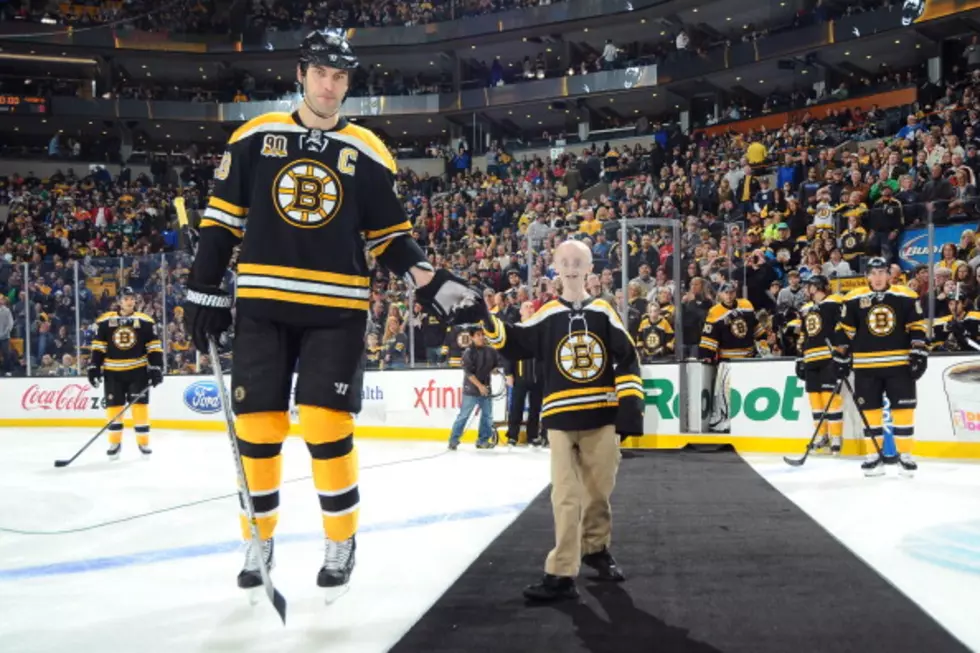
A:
954	332
525	380
819	318
592	391
731	332
127	353
655	340
882	336
303	193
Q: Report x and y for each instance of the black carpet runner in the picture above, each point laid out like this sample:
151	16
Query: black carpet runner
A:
717	560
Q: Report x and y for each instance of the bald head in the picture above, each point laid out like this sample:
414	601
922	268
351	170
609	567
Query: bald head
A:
573	261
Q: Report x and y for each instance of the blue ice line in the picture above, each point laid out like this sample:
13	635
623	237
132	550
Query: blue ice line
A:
199	550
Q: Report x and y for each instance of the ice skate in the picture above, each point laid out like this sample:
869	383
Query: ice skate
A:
250	578
338	563
113	451
145	450
907	465
873	465
823	442
603	562
835	445
552	588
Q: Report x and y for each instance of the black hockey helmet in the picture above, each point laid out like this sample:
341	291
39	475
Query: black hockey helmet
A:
876	263
328	47
818	281
726	286
957	295
127	291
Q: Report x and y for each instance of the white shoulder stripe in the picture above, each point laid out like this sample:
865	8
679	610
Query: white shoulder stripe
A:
360	145
613	316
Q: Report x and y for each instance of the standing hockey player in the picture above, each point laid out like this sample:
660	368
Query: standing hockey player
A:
731	332
303	193
819	318
126	352
882	336
592	391
525	381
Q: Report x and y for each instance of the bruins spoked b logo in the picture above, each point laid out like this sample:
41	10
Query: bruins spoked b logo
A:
739	328
813	324
881	320
307	194
652	340
581	357
124	338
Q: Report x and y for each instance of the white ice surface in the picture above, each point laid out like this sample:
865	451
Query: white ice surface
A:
422	524
921	534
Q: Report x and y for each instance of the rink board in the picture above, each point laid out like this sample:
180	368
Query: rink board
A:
770	412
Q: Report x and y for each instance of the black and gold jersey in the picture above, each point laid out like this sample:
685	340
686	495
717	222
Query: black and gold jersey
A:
730	332
457	341
655	341
373	353
304	203
950	334
818	322
853	243
589	364
126	342
880	328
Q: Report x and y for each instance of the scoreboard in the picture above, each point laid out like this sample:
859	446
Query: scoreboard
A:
23	104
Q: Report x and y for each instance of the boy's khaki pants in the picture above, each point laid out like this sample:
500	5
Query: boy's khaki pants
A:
583	474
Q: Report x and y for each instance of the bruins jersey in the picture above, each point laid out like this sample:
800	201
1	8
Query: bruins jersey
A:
590	367
950	334
853	243
303	203
655	340
730	332
457	341
818	322
373	354
880	328
126	342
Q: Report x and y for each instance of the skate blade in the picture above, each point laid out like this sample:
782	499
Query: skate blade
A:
333	594
874	473
256	594
114	457
907	473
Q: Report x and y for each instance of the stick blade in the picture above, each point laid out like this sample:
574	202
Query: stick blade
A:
61	463
794	462
279	603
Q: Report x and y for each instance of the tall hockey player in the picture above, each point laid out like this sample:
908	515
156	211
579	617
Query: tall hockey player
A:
731	331
303	193
819	318
126	352
592	391
882	336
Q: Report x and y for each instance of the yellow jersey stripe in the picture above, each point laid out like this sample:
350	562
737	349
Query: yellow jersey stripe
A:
879	354
303	274
402	226
380	249
300	298
238	233
227	207
269	120
632	392
372	143
565	409
626	378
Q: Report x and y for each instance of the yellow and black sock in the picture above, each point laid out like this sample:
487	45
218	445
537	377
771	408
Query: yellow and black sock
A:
903	424
260	438
141	424
835	414
116	427
329	435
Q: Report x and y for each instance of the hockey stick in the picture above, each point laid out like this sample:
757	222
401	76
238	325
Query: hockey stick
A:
973	343
275	597
65	463
798	462
864	420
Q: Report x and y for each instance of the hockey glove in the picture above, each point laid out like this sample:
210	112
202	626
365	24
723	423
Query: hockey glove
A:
94	376
801	370
207	313
842	364
155	374
918	361
451	299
